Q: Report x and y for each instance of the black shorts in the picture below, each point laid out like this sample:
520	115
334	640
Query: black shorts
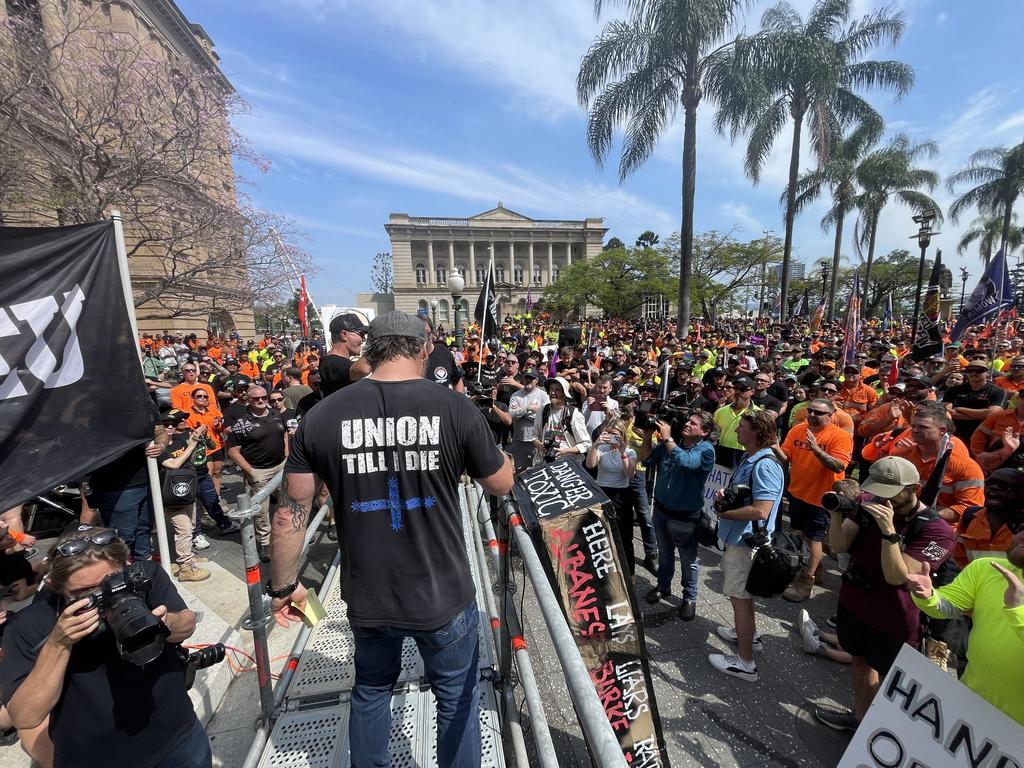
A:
858	639
217	455
13	567
810	520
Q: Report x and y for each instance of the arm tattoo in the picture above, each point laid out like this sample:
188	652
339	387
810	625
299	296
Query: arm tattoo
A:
299	512
947	609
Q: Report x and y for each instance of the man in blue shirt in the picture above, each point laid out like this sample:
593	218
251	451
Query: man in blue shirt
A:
678	499
759	470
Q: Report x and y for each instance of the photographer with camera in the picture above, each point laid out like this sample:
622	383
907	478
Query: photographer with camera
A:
97	653
684	460
561	431
890	536
496	412
753	495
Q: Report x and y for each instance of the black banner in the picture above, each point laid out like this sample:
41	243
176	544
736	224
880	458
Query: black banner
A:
72	396
568	514
928	340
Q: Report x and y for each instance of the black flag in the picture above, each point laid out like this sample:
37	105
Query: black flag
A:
72	396
928	341
486	312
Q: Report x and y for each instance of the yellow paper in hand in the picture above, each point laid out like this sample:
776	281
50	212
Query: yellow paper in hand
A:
314	610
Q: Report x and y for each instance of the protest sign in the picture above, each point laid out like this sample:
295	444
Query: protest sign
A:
922	717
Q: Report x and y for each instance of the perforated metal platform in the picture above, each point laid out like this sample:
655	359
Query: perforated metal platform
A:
319	738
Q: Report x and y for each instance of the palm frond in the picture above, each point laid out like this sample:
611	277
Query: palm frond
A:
615	52
894	76
781	18
827	17
871	31
762	137
646	126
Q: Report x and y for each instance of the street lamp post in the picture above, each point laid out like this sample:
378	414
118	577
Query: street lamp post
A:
964	274
456	284
924	238
433	313
824	278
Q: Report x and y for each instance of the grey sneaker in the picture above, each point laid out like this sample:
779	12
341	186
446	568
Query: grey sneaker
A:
733	665
809	634
836	718
729	635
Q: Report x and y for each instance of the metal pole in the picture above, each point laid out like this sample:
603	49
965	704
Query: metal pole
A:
259	618
917	296
156	495
600	736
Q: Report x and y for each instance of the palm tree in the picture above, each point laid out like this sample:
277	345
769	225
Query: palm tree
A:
637	73
838	174
987	232
998	174
809	70
886	174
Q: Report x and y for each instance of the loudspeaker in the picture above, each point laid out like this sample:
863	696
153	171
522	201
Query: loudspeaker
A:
570	337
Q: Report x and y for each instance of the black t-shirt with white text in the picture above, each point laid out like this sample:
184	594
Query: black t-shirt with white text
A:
335	373
110	711
392	454
441	367
261	438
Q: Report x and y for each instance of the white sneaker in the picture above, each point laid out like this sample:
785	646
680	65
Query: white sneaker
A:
809	633
199	541
729	635
735	666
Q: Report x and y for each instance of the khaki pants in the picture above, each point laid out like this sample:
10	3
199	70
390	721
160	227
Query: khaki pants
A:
260	477
182	519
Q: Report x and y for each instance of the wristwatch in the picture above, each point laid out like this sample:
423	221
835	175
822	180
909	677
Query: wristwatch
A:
283	591
894	537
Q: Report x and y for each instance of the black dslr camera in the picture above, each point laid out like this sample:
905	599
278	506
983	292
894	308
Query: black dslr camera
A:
138	634
550	450
733	497
201	659
650	411
477	393
837	502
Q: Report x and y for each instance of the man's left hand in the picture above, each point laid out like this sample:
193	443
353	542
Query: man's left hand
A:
284	612
881	512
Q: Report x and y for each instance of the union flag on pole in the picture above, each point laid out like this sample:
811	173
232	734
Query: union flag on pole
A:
303	319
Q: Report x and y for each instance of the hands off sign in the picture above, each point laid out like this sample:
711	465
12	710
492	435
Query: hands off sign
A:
925	718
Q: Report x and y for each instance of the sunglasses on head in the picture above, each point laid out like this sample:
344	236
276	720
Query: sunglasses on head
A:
77	545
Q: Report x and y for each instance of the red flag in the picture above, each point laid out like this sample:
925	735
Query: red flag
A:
894	373
303	320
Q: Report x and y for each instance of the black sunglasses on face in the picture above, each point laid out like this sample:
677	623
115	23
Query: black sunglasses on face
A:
257	398
200	397
814	412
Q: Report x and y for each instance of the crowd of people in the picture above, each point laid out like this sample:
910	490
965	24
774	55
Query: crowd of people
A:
906	473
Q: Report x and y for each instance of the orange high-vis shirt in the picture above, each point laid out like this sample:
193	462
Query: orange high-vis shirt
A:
809	479
210	419
963	483
181	396
840	418
992	428
858	400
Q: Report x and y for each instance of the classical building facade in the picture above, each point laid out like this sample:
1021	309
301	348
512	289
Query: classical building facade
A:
528	256
159	30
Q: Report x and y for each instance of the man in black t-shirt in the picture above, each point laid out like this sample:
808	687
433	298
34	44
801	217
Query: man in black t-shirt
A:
336	369
257	443
392	452
312	398
441	366
103	709
973	400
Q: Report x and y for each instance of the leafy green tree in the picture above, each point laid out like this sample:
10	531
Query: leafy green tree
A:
613	243
617	281
895	274
890	174
998	176
986	232
838	174
635	76
647	239
808	71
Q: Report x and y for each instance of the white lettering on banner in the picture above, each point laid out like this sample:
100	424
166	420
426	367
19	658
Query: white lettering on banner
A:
600	549
922	717
370	437
719	478
559	486
40	361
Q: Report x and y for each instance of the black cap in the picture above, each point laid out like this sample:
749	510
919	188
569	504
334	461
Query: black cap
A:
650	386
230	361
348	322
851	368
530	373
241	382
174	416
918	379
743	383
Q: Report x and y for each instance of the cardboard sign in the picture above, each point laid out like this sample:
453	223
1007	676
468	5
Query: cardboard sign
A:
925	718
551	489
719	478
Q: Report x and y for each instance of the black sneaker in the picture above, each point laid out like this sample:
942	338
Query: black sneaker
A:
655	596
836	718
264	552
688	610
651	564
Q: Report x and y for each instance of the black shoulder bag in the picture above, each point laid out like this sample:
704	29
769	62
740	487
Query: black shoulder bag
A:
774	565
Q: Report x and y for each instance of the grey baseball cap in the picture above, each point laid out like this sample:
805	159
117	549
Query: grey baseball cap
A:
890	475
397	324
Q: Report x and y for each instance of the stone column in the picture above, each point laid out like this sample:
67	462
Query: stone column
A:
491	255
568	254
431	278
451	256
471	277
529	276
512	262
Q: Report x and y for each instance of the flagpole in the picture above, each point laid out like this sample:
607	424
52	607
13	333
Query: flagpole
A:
153	471
488	287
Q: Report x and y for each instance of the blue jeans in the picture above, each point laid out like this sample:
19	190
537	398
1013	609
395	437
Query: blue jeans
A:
193	751
641	503
129	513
676	535
206	494
451	656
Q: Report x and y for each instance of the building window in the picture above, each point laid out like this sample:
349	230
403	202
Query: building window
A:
441	275
517	274
654	306
481	275
536	275
461	269
423	309
499	273
442	311
421	274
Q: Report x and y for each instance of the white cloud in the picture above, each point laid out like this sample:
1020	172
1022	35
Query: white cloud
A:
750	227
512	184
941	18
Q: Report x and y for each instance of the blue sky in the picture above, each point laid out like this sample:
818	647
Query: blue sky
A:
443	108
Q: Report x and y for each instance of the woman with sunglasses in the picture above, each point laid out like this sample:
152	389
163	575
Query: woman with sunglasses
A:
186	447
59	663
